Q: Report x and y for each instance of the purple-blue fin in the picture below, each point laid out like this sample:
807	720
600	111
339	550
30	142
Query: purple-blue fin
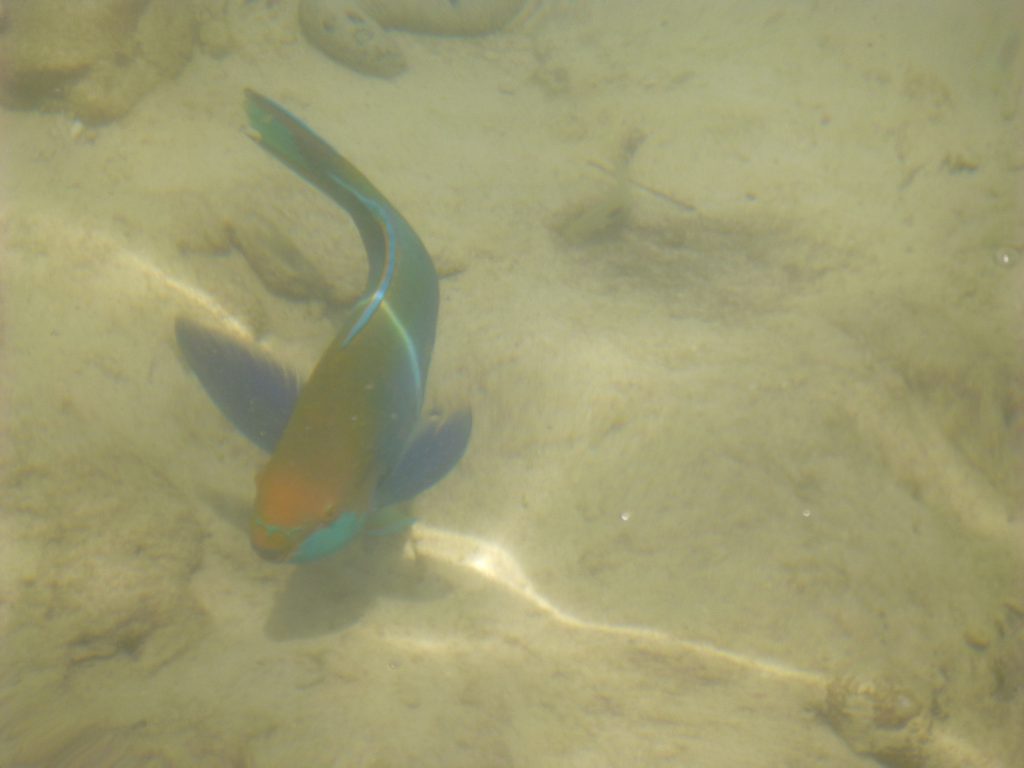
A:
255	392
432	453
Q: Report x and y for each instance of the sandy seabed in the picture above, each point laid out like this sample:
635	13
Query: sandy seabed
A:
736	293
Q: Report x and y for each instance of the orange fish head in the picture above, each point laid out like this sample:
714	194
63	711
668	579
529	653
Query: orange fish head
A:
291	508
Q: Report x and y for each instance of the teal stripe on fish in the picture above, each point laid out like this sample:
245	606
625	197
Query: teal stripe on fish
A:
386	273
410	349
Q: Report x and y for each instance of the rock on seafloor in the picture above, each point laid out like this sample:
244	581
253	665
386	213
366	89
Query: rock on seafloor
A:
96	59
352	32
348	35
279	263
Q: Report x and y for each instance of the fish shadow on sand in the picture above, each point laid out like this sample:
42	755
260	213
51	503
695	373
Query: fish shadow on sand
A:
330	595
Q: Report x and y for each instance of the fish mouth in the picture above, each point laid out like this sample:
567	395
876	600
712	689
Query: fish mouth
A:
271	555
274	543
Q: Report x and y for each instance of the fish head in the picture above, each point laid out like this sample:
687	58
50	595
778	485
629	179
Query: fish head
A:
298	520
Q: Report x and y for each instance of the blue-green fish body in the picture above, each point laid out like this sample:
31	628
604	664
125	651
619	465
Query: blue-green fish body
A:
350	440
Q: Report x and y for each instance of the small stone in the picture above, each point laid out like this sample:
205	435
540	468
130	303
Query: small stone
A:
977	638
278	262
346	34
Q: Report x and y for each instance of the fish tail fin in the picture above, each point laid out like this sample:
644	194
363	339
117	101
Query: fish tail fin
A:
296	145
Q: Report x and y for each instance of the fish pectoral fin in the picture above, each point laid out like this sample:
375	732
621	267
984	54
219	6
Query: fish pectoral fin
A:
431	454
254	392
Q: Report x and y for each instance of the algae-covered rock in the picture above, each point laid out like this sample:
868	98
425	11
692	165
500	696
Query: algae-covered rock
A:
352	32
94	57
344	32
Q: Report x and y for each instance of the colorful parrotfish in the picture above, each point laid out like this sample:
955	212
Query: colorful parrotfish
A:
350	442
